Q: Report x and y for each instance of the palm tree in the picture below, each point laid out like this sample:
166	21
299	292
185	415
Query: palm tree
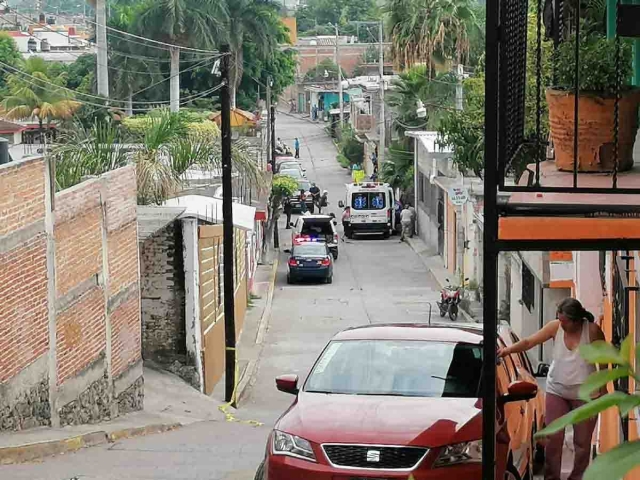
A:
38	96
129	72
165	151
184	23
430	31
258	19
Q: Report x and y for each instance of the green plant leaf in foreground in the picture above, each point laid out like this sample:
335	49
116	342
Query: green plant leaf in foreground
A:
600	379
602	352
615	463
585	412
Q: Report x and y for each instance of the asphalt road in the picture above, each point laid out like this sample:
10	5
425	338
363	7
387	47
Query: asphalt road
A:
375	281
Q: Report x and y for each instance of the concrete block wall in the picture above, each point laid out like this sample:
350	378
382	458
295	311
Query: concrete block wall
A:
69	298
163	295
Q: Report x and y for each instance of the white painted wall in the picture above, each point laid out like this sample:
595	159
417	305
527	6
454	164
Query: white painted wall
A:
588	282
192	294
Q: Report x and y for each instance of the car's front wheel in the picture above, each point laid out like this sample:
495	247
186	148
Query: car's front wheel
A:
260	472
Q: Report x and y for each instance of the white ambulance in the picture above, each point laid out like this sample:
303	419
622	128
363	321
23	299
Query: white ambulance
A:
368	209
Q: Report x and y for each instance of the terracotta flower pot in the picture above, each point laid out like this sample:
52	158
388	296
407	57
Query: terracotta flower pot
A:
595	130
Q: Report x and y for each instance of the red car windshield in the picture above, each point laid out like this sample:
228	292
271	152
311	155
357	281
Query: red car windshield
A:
399	368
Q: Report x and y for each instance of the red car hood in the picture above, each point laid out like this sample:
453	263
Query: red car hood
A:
429	422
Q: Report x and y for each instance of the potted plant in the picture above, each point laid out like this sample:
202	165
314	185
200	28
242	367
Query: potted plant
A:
596	118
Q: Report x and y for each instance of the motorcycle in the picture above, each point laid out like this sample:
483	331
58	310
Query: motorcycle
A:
450	298
284	150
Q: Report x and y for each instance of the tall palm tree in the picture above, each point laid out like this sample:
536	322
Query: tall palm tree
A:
258	19
129	72
38	96
430	31
186	23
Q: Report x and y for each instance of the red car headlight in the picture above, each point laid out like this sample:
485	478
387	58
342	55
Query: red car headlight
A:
292	446
468	452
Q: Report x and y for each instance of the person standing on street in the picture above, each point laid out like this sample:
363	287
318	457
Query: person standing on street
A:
413	219
286	205
405	222
296	145
323	202
573	327
315	196
303	202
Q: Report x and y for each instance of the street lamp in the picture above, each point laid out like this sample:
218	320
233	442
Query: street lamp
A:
421	112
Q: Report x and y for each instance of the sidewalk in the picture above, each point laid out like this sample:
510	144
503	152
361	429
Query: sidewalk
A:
249	345
169	401
433	262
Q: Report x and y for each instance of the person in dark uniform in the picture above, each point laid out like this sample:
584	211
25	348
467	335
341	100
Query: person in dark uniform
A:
286	205
315	196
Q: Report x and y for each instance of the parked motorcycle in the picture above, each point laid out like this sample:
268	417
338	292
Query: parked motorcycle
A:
450	298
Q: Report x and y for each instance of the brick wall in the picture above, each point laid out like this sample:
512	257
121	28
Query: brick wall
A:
163	295
350	57
21	195
81	287
123	257
125	335
24	327
80	334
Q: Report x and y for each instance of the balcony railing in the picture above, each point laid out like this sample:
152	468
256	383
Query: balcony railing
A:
543	100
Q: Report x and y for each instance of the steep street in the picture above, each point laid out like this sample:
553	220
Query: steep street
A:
375	281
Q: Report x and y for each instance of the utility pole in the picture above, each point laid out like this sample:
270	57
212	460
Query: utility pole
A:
383	130
227	222
101	38
459	94
269	160
339	80
273	138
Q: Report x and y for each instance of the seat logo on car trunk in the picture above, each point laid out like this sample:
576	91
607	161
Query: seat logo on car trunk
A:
373	456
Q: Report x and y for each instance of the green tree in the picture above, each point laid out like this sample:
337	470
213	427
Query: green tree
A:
187	23
168	149
430	31
255	20
9	55
281	67
79	71
317	73
38	96
133	72
413	85
282	186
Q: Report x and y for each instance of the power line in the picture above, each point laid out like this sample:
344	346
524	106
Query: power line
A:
116	52
13	70
168	45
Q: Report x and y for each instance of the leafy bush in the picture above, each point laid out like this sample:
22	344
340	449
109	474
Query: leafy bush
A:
350	148
343	161
597	68
283	186
138	125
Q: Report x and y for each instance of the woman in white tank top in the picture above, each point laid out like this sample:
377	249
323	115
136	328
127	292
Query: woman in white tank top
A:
574	327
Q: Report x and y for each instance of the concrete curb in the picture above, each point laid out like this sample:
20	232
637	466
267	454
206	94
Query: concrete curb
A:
38	450
249	373
467	316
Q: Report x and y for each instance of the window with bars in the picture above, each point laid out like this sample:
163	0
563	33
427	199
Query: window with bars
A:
528	288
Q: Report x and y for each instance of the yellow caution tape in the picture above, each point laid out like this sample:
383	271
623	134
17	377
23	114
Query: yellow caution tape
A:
230	417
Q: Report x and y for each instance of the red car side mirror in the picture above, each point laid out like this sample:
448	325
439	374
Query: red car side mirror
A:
520	391
287	384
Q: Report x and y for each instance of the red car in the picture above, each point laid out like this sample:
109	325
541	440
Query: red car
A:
392	401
